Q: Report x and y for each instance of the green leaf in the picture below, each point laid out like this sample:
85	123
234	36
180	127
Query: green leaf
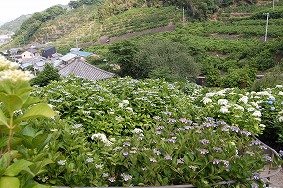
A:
11	182
3	118
3	161
29	131
191	156
17	167
11	102
38	110
41	140
30	100
3	142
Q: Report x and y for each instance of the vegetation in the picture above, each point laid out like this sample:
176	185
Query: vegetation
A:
229	47
79	3
140	19
154	58
44	77
20	143
32	24
15	24
140	131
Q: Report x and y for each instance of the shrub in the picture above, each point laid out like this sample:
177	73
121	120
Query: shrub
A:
48	74
19	160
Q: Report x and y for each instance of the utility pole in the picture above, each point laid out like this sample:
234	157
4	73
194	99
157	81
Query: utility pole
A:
273	4
24	40
183	14
266	27
90	33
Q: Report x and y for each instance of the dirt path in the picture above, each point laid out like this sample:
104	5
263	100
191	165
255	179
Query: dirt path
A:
105	39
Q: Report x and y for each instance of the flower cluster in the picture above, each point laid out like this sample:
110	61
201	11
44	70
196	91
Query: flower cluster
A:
7	65
102	138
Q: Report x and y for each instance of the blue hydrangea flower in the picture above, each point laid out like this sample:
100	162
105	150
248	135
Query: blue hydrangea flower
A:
272	108
269	102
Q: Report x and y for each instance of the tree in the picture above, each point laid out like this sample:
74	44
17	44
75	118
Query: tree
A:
161	58
48	74
122	53
74	4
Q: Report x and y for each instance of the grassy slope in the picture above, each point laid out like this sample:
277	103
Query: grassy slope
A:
223	36
127	22
226	38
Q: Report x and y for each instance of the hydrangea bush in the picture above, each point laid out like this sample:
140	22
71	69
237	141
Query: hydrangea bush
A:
122	132
114	106
20	144
172	151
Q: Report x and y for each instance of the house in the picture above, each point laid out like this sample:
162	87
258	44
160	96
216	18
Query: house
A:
27	55
56	56
82	69
37	63
68	58
33	51
14	51
81	53
75	49
58	63
25	65
48	52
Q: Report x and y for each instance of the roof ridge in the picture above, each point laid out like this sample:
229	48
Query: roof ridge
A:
98	68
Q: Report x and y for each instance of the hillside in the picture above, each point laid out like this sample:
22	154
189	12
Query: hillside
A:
230	49
14	24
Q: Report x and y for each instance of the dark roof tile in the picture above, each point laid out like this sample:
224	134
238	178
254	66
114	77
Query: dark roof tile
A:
84	70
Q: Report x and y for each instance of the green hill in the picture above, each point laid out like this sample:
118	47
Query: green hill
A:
14	24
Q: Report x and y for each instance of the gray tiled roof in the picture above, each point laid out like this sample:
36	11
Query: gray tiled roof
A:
68	57
84	70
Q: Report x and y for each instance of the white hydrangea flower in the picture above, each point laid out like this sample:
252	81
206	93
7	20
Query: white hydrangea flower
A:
137	131
61	162
126	102
257	113
279	86
251	109
280	119
239	107
222	101
206	100
120	105
15	75
7	65
255	104
209	95
102	138
280	93
99	166
222	92
244	99
263	93
89	160
224	110
257	119
130	109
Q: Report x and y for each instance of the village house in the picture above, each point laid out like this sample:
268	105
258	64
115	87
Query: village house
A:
48	52
33	51
27	55
82	69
